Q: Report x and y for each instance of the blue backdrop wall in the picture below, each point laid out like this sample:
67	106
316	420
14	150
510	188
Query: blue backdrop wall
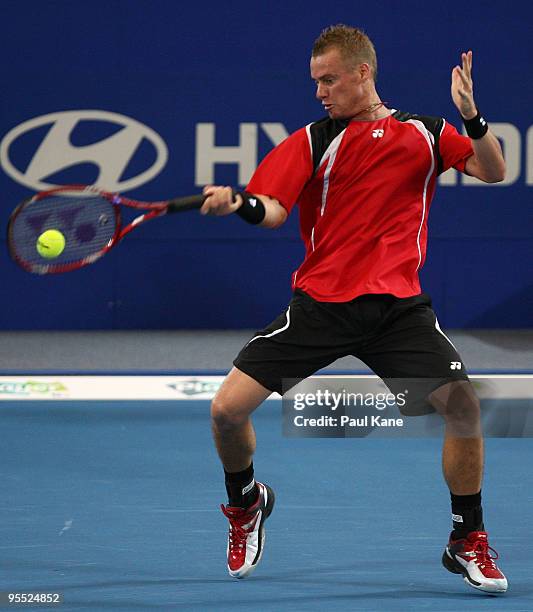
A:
182	94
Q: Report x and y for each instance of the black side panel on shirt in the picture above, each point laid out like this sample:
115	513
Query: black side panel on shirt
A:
322	133
432	124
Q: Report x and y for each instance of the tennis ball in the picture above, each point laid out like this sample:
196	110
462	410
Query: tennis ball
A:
50	244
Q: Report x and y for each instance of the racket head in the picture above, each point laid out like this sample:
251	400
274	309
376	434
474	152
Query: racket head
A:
88	218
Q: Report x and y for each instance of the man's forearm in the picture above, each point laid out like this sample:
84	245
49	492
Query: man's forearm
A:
487	162
275	213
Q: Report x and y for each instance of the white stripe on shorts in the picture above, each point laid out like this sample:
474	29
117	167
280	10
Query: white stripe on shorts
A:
276	331
437	327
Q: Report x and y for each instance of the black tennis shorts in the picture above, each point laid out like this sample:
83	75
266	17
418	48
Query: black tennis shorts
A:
398	338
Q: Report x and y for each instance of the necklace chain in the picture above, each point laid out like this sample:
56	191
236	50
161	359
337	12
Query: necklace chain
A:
372	107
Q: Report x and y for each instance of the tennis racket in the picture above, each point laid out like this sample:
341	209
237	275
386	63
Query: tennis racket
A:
90	221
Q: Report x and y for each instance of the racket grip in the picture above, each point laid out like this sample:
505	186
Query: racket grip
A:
192	202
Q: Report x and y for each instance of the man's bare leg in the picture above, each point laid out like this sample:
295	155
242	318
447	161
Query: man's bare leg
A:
250	502
462	464
462	453
468	551
233	432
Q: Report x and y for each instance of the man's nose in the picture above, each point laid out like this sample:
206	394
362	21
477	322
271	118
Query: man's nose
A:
321	91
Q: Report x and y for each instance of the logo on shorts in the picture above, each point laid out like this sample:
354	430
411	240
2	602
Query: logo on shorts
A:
455	365
378	133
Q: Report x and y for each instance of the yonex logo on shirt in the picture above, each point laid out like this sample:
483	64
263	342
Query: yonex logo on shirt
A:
377	133
455	365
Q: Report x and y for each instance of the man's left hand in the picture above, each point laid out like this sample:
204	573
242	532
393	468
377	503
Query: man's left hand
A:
463	87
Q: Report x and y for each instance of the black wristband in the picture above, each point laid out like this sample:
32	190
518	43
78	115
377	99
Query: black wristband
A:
252	209
476	127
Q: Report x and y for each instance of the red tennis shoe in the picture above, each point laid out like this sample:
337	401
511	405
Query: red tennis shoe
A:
246	536
471	558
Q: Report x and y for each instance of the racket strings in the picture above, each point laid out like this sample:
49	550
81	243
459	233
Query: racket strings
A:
88	224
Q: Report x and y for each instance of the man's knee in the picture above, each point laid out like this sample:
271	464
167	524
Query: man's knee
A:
458	404
226	415
235	401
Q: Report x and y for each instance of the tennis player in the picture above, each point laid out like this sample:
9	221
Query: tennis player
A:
363	177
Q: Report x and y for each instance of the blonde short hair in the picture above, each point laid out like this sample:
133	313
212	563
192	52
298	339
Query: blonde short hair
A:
354	45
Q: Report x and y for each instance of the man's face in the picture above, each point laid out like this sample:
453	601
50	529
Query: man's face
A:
339	85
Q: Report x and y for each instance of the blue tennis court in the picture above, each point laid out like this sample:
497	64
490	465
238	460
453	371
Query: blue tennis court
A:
360	180
115	504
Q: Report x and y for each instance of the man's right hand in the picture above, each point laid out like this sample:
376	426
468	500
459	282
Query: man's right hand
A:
220	201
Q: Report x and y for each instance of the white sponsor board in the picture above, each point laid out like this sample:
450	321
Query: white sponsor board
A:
109	387
61	388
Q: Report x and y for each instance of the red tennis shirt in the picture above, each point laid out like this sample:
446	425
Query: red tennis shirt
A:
364	190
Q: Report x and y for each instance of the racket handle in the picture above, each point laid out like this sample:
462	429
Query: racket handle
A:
192	202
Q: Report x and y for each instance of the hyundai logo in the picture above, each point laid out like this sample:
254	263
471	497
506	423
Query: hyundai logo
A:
56	152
